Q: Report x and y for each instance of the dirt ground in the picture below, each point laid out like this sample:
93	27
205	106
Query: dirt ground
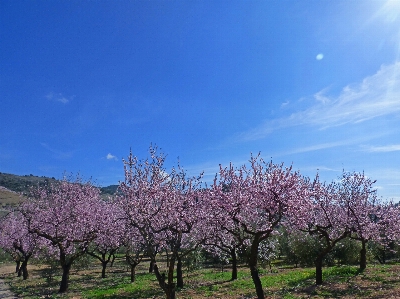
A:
6	269
4	289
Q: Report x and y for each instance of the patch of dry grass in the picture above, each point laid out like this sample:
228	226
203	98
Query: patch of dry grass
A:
8	197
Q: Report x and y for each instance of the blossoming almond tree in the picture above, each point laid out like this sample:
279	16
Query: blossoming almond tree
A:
135	248
329	218
193	213
345	208
387	219
364	210
109	237
161	206
224	240
257	199
66	214
17	241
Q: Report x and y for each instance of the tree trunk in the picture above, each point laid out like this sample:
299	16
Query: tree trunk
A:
151	267
24	268
168	288
19	271
179	275
103	269
234	264
18	265
363	256
103	260
318	270
112	260
257	282
65	278
133	273
171	285
254	271
170	294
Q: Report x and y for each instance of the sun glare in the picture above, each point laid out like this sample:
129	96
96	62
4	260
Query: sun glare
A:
392	10
393	3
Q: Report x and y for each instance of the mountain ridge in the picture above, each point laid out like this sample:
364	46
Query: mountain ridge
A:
22	183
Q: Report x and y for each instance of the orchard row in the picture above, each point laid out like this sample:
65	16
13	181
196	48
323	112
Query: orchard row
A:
158	211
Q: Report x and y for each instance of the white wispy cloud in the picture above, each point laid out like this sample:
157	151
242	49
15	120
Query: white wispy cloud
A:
284	104
111	157
383	149
59	97
376	96
320	146
338	143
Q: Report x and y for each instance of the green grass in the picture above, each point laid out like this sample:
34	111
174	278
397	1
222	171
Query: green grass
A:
282	283
144	286
341	272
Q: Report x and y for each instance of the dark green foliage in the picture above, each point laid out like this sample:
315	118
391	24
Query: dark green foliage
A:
384	253
22	184
347	252
194	260
5	257
83	262
109	190
299	248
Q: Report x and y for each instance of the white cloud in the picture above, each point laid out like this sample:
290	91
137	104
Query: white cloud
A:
327	145
63	100
284	104
320	56
382	149
111	157
376	96
59	97
321	146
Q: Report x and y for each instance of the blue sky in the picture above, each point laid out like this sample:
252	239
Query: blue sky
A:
315	84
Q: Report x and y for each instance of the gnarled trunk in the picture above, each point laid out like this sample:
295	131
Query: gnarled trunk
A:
19	274
363	255
179	274
318	270
234	264
133	273
167	287
103	268
254	271
151	267
112	260
65	278
170	293
24	268
318	264
104	260
17	267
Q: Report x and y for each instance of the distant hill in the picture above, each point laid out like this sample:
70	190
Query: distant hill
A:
13	186
21	184
8	199
109	190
